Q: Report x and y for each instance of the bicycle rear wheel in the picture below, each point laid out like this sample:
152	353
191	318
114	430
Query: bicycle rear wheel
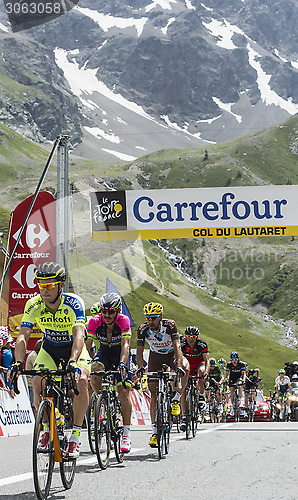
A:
90	415
67	471
43	454
160	426
102	432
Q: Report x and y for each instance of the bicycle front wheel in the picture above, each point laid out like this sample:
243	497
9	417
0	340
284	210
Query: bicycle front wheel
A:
188	414
102	432
160	426
194	415
90	416
43	451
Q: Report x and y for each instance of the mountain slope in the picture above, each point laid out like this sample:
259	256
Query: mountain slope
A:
129	79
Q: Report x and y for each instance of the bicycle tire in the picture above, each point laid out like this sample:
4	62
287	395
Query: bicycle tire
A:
188	413
194	415
160	426
91	423
43	460
102	432
67	472
167	427
118	432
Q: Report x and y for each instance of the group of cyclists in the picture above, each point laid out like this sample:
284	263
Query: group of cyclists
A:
105	343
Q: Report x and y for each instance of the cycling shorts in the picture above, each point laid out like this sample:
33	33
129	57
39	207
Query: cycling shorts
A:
111	360
51	358
249	385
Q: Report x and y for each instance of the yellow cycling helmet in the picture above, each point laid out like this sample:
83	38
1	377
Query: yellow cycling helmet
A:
153	309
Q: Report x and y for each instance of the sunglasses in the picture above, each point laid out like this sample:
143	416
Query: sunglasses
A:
108	311
191	336
48	286
151	317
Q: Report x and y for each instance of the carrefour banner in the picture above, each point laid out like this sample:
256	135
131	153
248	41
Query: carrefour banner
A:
195	213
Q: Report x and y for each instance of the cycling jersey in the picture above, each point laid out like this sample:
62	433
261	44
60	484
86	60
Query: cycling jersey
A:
97	330
235	372
160	342
57	327
282	385
194	354
214	374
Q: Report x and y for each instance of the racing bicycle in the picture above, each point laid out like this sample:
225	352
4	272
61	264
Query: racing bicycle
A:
163	416
191	407
55	411
107	430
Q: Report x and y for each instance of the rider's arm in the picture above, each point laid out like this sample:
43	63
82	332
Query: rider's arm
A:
206	359
227	374
89	343
178	352
78	332
21	343
125	346
243	375
139	356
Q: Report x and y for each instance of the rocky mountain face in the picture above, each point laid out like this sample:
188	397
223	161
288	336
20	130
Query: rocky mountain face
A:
126	78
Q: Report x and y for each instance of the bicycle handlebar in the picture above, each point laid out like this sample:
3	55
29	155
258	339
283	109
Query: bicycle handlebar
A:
44	372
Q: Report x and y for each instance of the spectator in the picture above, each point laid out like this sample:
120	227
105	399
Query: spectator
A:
29	366
7	356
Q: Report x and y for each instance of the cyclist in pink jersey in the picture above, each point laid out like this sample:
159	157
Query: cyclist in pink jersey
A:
112	330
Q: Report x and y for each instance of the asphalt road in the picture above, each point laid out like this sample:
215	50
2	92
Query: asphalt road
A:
227	461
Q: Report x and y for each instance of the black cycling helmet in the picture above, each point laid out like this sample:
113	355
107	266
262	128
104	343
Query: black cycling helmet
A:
212	361
234	355
49	270
110	301
192	330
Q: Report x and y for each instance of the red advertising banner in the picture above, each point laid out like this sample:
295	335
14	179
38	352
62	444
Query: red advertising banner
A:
37	245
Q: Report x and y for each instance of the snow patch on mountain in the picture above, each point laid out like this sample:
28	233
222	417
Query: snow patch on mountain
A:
165	29
99	133
119	155
164	4
106	21
84	81
268	95
224	31
227	107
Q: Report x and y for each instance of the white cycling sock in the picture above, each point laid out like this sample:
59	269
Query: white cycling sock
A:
126	430
177	396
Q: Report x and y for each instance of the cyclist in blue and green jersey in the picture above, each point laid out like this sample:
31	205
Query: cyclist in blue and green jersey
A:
61	318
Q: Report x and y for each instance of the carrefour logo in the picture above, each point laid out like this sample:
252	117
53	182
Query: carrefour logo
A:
145	209
13	417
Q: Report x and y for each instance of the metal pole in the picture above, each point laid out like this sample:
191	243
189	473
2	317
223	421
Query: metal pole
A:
62	205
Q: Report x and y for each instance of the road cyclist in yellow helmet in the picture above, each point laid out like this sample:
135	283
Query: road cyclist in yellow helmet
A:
163	338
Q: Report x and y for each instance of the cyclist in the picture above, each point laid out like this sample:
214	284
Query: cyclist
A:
235	372
112	330
284	389
196	352
215	380
61	318
251	384
163	339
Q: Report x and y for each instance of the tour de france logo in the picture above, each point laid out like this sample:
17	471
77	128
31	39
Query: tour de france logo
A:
108	211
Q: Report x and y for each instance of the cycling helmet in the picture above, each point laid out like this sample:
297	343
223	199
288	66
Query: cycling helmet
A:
234	355
212	361
50	270
281	370
295	376
95	309
192	330
153	309
222	361
110	301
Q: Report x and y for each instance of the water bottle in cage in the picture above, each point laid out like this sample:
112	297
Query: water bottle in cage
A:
60	423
